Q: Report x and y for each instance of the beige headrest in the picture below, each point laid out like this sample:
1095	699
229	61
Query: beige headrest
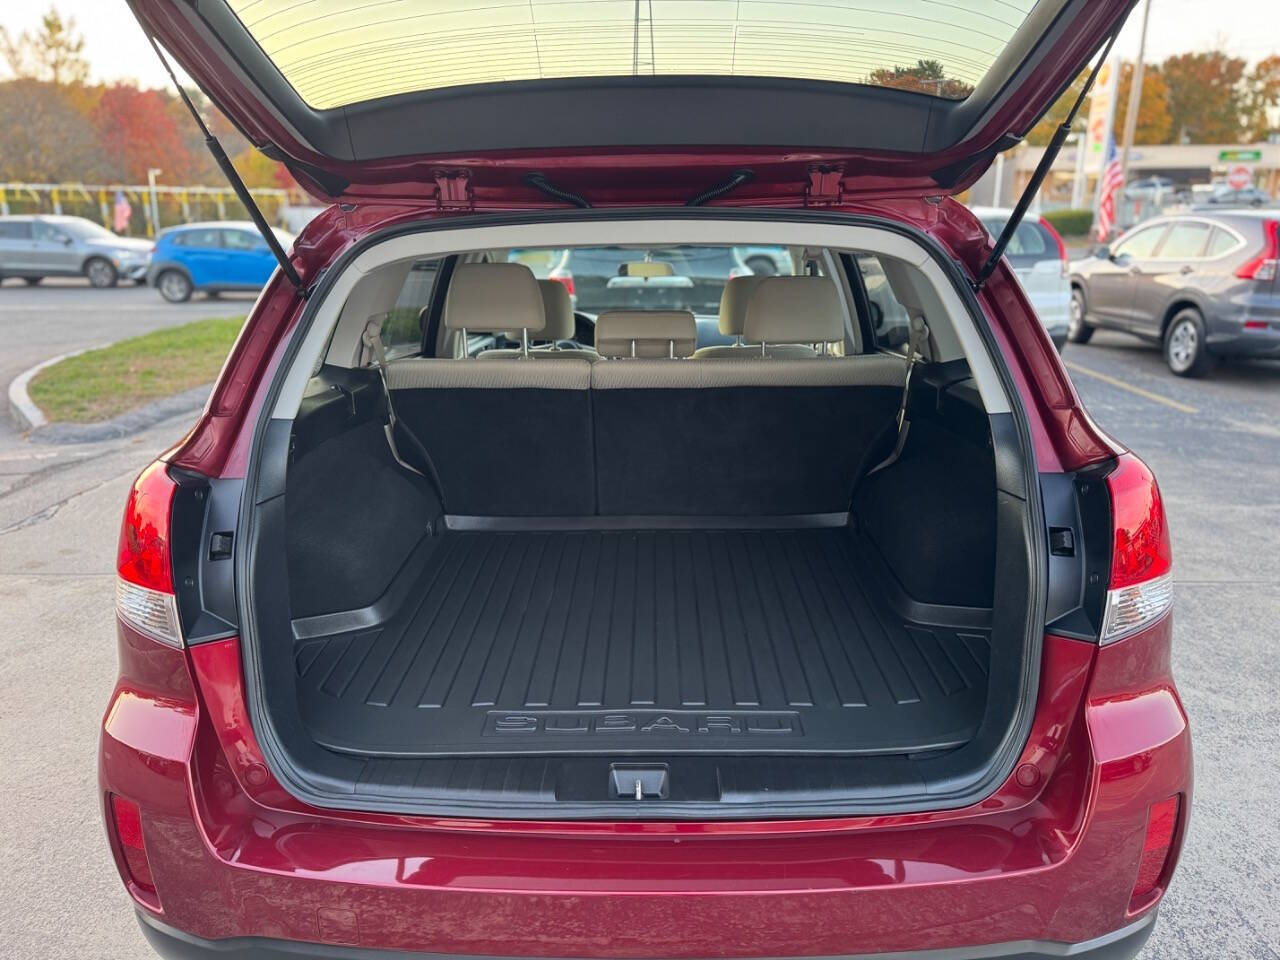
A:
558	309
491	297
646	333
733	303
794	310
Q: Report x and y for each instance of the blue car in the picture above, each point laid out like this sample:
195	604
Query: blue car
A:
212	257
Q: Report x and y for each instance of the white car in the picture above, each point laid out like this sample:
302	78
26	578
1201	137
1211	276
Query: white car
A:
1039	258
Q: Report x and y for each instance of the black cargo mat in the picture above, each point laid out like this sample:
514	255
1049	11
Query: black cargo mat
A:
643	642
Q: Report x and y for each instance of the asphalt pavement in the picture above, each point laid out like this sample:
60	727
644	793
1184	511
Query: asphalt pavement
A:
1214	444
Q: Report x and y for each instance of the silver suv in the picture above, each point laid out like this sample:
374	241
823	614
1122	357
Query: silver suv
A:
35	247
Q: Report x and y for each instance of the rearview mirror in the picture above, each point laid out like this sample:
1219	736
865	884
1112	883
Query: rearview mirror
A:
64	240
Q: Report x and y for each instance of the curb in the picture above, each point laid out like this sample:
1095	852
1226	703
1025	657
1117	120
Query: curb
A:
22	408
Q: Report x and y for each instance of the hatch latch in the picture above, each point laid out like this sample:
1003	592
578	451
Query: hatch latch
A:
453	190
826	185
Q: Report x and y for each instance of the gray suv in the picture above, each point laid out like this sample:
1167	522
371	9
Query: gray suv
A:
1203	285
35	247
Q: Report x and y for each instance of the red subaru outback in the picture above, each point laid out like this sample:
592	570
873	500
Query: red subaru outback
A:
541	582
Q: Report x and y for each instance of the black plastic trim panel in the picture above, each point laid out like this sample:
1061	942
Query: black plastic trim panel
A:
173	944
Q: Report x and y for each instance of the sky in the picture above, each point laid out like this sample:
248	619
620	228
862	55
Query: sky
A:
117	49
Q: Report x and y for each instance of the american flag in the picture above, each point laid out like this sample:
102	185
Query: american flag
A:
121	213
1112	181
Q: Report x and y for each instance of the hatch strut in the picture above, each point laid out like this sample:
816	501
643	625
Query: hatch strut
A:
229	171
1042	170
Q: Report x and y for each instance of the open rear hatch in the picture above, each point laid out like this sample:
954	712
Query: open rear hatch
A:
461	102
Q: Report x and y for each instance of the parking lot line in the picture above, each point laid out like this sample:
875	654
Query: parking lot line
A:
1146	394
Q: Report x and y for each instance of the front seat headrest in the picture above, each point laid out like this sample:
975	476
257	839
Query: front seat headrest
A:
646	333
738	292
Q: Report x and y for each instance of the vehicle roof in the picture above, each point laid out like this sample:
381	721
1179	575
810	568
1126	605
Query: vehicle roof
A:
1003	213
208	224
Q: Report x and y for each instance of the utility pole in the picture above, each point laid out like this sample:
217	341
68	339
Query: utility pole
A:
152	173
1135	96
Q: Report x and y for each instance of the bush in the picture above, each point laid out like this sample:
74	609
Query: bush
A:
1070	222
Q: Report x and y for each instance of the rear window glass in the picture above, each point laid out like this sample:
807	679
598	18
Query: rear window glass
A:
402	326
346	51
1030	241
678	277
890	322
1222	242
1185	240
15	229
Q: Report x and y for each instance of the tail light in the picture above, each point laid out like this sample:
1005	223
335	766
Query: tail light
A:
144	579
1141	587
126	821
1162	824
563	277
1062	247
1266	264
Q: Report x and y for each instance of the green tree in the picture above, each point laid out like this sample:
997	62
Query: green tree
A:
927	76
46	138
1154	120
54	53
1206	104
1262	98
1042	132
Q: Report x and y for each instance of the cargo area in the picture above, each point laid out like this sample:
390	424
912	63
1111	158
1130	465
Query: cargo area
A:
775	641
536	576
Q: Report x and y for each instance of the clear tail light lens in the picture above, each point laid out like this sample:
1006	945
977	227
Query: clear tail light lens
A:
144	582
1141	587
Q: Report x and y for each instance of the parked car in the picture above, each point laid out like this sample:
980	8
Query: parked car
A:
839	643
216	257
1039	258
1225	196
596	277
35	247
767	261
1150	188
1203	285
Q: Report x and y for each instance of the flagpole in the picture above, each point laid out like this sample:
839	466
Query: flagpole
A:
1107	137
1135	96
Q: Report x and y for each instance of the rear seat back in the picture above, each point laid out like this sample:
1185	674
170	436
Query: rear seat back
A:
504	438
739	437
652	436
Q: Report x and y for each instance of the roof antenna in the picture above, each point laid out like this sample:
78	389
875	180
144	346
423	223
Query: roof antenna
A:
229	171
1042	170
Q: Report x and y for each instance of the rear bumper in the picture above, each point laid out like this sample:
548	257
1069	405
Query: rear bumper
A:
1123	944
1043	867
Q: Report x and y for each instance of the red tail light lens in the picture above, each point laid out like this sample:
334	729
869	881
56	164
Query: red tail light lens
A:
1162	823
1141	587
1062	247
144	585
127	820
1265	265
565	278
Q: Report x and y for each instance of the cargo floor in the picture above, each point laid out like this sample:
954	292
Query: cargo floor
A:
643	642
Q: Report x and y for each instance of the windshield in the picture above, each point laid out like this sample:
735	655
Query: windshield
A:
679	277
348	51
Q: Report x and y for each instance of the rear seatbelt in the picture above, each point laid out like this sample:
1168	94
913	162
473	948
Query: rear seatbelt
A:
372	339
917	349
